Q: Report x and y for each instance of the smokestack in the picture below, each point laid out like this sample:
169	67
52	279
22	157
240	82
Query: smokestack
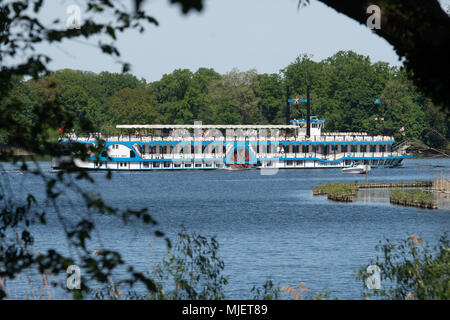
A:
288	107
308	110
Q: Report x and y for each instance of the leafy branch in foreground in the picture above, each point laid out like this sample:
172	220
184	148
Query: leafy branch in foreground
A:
410	269
267	291
191	270
21	31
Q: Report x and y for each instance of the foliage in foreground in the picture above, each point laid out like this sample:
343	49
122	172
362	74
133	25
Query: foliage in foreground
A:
194	269
191	270
267	291
32	126
410	269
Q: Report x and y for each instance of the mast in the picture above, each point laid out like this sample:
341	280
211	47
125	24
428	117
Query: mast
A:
288	107
308	110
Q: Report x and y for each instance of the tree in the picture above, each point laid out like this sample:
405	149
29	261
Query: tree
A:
239	89
400	110
344	87
419	32
272	95
113	82
198	95
24	96
437	127
86	94
133	106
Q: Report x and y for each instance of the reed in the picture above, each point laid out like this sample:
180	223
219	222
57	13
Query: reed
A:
37	287
337	191
413	198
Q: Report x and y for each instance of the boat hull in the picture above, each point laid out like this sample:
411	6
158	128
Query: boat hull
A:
360	169
199	164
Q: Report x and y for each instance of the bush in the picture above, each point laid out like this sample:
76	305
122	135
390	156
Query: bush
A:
410	269
413	195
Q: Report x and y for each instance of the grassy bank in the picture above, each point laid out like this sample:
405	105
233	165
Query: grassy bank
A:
346	192
413	198
337	191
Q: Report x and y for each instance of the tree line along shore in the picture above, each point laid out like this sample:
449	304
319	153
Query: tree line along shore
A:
345	91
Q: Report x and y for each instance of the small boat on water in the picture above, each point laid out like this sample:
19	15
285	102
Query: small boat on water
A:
358	169
237	167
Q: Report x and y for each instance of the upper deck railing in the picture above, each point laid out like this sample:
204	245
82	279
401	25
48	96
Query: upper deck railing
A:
321	138
278	155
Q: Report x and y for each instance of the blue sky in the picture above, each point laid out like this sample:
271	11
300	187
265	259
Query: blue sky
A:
265	35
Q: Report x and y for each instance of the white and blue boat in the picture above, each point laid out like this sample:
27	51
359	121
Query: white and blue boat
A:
209	147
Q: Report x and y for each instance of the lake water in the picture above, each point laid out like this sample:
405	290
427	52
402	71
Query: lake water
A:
267	226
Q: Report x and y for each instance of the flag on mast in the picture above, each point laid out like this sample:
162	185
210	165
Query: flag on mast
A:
297	100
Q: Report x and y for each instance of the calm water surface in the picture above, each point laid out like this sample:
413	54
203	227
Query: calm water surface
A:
267	226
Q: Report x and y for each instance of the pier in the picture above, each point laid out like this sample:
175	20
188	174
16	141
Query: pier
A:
414	184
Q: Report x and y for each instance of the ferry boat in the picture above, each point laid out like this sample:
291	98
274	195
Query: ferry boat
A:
209	147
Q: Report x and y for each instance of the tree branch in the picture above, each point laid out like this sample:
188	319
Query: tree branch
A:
419	31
